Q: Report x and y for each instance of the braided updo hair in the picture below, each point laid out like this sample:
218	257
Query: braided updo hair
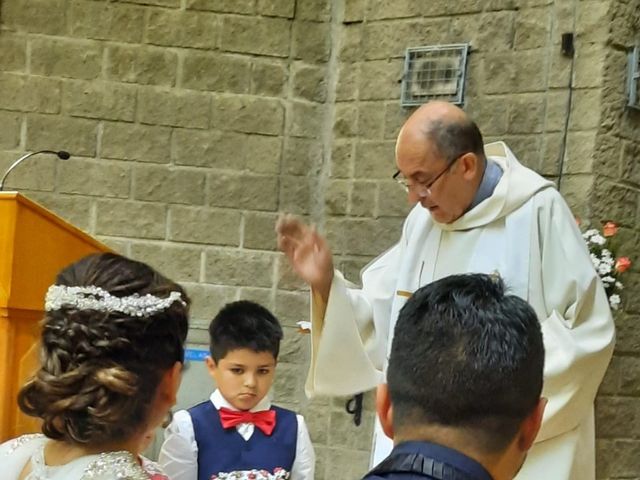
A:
99	370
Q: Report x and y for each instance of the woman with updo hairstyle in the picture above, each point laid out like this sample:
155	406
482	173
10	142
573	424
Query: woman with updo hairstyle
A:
111	355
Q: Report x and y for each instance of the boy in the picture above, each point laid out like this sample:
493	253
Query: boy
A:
238	433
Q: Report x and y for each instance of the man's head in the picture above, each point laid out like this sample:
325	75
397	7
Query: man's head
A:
244	341
440	157
466	370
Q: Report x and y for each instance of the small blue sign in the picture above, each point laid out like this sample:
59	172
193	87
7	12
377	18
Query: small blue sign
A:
195	354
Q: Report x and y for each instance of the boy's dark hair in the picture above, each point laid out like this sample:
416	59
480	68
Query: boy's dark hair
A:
468	356
244	324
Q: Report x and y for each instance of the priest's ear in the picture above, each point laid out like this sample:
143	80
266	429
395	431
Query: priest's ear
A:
384	409
471	165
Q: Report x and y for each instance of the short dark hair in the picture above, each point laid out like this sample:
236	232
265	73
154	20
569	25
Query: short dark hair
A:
244	324
100	370
467	355
455	138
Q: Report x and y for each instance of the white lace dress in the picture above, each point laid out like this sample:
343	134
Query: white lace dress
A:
16	453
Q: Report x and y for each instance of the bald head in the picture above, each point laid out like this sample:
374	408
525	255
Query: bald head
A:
445	127
440	155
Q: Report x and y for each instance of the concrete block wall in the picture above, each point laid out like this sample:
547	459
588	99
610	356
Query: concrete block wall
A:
192	123
616	195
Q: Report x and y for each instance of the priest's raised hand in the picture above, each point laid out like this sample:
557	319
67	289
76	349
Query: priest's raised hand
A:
308	253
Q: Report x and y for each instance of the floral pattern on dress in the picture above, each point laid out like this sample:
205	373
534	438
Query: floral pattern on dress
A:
120	465
16	443
278	474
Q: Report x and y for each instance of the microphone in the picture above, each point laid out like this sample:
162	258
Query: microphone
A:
62	155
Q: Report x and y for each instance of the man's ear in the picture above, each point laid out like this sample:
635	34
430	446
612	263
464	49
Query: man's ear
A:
470	165
531	426
384	409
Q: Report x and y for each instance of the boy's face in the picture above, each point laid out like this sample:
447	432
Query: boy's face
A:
243	376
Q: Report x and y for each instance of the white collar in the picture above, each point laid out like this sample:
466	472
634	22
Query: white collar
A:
219	401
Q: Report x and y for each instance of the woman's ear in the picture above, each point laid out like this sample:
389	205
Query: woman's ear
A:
384	409
172	380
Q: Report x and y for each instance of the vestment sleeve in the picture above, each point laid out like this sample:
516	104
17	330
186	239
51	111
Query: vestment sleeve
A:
305	463
179	453
349	342
578	330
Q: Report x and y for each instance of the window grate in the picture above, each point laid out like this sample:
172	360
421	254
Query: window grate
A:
633	78
434	73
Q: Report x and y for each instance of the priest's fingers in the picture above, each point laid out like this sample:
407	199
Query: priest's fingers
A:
290	226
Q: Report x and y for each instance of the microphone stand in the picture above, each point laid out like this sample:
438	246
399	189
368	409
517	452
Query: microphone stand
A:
62	155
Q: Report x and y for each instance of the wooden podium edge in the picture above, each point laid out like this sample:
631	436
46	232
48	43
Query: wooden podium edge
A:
54	218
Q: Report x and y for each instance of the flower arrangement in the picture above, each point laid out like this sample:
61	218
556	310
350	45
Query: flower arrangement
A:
608	266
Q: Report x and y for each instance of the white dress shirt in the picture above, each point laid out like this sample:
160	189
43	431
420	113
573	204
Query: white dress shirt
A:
179	452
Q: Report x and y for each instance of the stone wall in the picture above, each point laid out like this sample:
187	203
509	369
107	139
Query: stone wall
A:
616	195
193	122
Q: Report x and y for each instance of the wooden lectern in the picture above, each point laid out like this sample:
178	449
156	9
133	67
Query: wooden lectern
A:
35	244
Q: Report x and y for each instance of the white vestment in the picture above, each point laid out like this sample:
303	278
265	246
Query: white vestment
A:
526	233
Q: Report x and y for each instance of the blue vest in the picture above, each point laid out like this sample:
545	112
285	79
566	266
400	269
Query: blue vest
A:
221	450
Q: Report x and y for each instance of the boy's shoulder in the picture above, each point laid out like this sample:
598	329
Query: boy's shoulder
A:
282	410
205	404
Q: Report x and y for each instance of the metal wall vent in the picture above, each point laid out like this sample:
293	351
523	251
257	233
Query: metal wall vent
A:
633	78
434	72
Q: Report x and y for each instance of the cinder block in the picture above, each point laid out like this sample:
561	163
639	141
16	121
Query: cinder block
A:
53	132
174	28
257	35
35	16
141	64
215	72
80	176
309	83
222	6
80	59
142	143
179	263
268	78
248	114
204	225
375	159
246	191
180	108
99	100
239	267
171	185
13	52
276	8
259	231
106	21
10	132
131	219
306	119
311	41
29	93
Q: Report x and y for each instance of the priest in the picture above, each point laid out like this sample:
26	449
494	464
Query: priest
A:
477	210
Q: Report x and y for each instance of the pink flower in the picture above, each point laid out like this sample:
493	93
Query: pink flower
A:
622	264
609	229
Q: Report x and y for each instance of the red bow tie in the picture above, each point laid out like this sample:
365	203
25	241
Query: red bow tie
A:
264	420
